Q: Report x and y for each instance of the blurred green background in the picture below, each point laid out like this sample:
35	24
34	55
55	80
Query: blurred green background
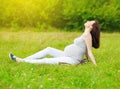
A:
60	14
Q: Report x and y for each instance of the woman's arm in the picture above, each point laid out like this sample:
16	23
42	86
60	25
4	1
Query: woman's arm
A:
91	56
88	41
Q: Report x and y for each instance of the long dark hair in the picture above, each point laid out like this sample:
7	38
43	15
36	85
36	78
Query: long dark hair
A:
95	33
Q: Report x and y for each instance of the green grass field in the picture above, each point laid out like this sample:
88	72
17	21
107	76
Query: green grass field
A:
33	76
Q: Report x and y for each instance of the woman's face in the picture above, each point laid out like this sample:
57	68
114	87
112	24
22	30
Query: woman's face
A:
89	23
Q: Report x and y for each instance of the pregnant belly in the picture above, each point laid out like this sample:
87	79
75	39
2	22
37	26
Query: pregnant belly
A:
73	51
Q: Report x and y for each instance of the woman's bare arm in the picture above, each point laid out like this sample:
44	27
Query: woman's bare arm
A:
88	41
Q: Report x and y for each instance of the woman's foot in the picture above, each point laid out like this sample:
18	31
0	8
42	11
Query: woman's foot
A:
14	58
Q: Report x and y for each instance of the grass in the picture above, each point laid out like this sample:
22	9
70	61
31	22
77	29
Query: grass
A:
33	76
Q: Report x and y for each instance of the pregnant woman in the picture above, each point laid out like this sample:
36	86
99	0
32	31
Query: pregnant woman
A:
73	53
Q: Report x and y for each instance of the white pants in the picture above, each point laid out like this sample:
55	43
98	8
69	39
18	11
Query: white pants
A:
57	54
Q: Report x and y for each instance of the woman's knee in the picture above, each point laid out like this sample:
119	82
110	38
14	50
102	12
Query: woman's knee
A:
49	49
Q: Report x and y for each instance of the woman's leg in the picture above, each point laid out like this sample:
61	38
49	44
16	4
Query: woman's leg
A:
47	51
56	60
